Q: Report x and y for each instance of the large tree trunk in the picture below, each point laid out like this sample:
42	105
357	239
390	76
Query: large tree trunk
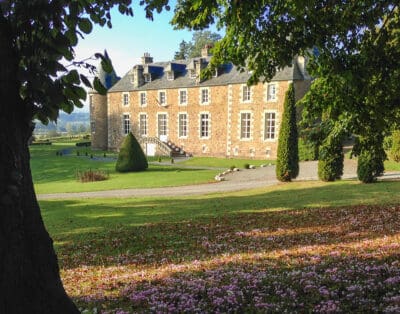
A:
29	273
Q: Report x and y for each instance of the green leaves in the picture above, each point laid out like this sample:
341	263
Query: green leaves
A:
85	25
98	86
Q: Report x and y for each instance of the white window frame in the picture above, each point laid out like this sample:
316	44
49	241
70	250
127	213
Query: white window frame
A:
165	124
266	131
126	123
192	73
182	103
245	135
248	93
125	99
143	134
270	96
142	102
164	102
170	75
183	127
208	127
205	96
147	77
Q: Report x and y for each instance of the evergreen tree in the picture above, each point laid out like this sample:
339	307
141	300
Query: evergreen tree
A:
287	166
131	157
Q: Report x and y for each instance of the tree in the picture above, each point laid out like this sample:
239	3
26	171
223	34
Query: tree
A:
183	52
193	48
35	36
131	157
287	164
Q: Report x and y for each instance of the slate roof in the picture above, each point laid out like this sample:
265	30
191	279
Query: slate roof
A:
227	74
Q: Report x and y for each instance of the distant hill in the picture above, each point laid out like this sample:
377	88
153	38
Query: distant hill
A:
76	122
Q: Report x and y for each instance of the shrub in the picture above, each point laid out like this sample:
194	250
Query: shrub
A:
91	175
395	149
83	144
287	164
331	157
365	167
246	166
232	167
307	150
131	156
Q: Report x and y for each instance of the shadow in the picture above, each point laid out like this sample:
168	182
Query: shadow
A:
146	231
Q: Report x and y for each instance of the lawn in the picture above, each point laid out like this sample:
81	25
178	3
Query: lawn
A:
299	247
53	173
225	163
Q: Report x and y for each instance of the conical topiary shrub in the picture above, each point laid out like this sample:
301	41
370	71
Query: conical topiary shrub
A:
131	157
287	164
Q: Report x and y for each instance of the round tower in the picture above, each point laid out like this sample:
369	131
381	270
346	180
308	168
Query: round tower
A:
99	109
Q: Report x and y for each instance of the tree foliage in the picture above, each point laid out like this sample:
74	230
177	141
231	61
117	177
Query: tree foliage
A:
131	157
193	48
287	164
395	149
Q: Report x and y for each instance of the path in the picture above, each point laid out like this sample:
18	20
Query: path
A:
235	181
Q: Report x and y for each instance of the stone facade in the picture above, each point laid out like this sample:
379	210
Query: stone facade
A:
219	117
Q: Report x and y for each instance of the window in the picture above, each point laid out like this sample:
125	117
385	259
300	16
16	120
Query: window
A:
204	97
182	125
162	98
125	99
143	124
270	126
170	75
245	123
147	77
246	93
271	92
204	125
182	97
162	124
143	99
126	124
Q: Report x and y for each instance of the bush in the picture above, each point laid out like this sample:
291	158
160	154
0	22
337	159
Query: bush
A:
83	144
91	176
287	164
395	149
232	167
131	156
365	167
331	157
246	166
307	150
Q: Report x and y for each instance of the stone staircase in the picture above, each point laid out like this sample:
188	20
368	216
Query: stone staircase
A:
164	148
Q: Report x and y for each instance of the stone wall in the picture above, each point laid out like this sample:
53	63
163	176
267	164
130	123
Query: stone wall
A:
98	120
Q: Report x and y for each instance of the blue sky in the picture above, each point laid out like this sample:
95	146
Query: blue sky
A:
130	37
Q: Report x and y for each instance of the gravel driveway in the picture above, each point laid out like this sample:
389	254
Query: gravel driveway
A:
235	181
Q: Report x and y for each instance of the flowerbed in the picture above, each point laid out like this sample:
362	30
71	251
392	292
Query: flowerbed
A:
323	260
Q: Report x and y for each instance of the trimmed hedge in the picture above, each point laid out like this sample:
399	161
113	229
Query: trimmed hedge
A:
131	157
83	144
287	164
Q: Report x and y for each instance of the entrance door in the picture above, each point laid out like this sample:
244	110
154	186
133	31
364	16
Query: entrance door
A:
150	149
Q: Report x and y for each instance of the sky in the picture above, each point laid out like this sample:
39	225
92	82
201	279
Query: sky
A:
130	37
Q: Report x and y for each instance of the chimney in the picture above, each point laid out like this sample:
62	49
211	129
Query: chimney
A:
146	59
205	52
137	77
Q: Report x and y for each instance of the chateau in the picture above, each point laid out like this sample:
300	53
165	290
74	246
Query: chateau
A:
172	112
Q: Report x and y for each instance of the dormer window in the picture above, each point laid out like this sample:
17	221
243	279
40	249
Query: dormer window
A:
170	75
215	73
147	77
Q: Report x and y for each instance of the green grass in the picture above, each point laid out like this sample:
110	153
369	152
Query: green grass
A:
75	222
391	165
224	163
55	174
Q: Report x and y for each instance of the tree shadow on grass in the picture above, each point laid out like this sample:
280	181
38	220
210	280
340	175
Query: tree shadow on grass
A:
144	232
